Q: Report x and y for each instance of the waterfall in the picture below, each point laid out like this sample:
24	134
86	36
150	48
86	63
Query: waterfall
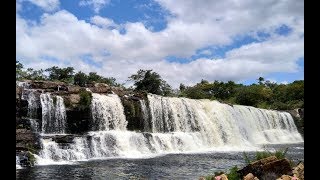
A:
221	123
33	104
172	125
145	114
53	114
107	112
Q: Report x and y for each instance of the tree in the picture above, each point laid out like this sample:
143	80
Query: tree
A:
34	74
182	87
80	79
260	80
146	80
61	74
94	77
19	70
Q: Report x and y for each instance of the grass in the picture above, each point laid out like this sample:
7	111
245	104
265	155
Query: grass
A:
280	154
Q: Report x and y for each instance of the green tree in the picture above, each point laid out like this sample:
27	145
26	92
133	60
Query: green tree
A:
19	70
80	79
61	74
182	87
260	80
146	80
94	77
32	74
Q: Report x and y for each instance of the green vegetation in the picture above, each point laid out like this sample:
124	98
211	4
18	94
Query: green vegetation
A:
280	154
233	174
146	80
85	99
31	158
80	79
263	94
63	75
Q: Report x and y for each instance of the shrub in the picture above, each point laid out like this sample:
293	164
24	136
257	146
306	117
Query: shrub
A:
85	99
233	174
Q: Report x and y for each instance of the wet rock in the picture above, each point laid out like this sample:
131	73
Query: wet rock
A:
27	140
63	138
78	120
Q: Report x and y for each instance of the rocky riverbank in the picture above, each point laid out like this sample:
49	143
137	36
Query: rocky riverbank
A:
264	169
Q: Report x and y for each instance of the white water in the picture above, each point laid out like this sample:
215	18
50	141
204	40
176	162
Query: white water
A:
145	114
33	105
178	125
53	114
107	112
18	166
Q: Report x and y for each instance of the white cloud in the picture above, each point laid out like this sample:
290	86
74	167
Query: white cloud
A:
97	5
65	37
47	5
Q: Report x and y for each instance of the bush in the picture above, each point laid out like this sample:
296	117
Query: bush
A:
85	99
280	154
233	174
31	158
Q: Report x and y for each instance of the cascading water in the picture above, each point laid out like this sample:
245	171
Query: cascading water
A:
18	166
33	105
175	125
107	112
53	114
145	114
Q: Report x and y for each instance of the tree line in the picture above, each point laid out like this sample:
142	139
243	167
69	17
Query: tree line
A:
263	94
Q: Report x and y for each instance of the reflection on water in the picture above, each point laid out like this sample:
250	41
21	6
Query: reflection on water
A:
171	166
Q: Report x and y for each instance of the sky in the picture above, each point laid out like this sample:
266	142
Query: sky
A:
184	41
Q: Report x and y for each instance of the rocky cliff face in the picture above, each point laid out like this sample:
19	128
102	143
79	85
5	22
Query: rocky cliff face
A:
298	117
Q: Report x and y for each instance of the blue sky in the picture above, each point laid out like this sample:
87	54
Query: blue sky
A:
184	41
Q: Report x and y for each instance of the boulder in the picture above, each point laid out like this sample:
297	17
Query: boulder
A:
223	177
285	177
100	88
267	165
298	171
249	176
74	98
24	135
73	89
26	140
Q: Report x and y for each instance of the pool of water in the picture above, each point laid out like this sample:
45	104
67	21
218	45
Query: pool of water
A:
170	166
